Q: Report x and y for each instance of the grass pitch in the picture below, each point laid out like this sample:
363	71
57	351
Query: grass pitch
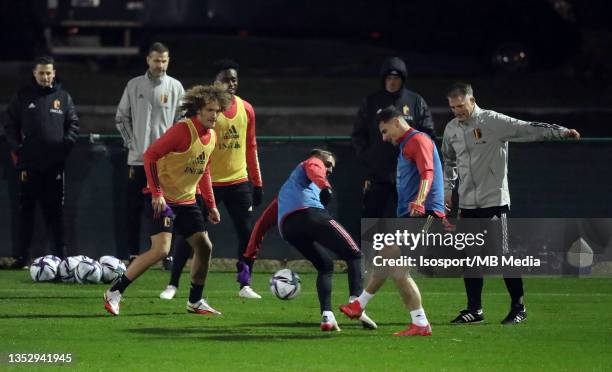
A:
569	328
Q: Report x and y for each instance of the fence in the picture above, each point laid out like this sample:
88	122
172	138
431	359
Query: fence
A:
551	179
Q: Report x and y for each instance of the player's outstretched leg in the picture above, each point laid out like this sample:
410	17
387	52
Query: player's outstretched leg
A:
412	300
160	245
355	309
202	252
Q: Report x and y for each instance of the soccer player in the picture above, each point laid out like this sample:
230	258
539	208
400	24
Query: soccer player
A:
233	163
299	211
176	165
148	107
475	152
420	194
266	221
41	129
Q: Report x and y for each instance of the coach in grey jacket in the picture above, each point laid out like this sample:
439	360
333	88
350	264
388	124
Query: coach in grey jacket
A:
475	151
148	107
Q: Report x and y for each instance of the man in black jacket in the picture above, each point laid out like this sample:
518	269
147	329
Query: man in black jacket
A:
378	157
41	129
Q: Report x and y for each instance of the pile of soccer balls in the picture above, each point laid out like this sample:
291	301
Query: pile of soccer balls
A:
80	269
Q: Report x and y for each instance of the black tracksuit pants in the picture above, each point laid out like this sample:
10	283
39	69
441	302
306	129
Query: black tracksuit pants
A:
379	200
47	188
304	228
473	286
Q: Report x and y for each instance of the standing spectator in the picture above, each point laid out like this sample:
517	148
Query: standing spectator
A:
475	151
148	107
41	129
379	157
233	164
176	166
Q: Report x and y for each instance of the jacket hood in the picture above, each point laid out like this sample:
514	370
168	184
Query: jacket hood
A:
393	66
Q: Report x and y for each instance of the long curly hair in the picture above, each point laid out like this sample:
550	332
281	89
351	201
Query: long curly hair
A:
201	95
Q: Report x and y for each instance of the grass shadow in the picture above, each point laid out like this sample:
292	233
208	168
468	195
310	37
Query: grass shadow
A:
239	333
76	316
47	298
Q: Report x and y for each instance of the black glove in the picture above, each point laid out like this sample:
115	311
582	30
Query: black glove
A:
257	195
325	196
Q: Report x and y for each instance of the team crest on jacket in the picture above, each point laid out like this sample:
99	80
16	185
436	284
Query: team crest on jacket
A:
164	98
477	134
406	110
56	107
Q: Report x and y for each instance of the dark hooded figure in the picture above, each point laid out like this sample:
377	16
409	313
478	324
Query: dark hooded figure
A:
380	158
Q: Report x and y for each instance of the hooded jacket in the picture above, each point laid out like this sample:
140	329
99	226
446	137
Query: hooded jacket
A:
41	126
378	157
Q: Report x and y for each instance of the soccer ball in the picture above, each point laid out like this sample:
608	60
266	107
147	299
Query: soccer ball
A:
88	271
44	268
285	284
112	268
67	268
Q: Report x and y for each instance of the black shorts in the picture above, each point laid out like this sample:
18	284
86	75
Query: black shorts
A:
187	220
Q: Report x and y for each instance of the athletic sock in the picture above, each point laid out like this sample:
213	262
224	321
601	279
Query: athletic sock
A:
419	318
121	284
182	251
365	298
329	314
195	292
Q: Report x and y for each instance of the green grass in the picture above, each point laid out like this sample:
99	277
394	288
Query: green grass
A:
569	328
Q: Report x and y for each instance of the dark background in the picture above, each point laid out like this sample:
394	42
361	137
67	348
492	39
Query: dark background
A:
546	180
305	66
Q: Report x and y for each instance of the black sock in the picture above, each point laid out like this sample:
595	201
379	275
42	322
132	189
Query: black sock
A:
324	289
473	289
195	292
182	251
355	277
515	289
121	284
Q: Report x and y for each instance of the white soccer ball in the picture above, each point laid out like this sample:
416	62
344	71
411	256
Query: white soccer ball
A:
67	268
112	268
88	271
285	284
44	268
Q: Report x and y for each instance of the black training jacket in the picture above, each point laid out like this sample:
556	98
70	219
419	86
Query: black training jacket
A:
378	157
41	126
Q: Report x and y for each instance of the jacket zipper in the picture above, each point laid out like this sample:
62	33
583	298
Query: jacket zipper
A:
470	166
